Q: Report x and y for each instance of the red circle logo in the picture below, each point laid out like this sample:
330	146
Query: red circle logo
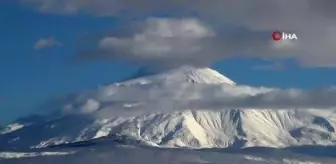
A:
276	35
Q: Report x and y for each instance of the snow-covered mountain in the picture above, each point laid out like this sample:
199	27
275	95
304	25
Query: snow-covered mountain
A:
201	128
183	74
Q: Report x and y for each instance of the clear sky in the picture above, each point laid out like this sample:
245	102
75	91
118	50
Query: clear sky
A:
29	76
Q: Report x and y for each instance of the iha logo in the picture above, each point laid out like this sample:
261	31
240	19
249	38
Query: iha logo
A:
278	35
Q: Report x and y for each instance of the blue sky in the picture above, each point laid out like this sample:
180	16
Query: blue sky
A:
29	77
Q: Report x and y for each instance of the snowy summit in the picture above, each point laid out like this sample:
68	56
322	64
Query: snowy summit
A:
184	74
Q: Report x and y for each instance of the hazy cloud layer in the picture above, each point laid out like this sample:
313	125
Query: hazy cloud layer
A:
241	27
135	100
46	43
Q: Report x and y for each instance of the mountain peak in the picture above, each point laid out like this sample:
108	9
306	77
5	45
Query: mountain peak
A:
202	75
189	74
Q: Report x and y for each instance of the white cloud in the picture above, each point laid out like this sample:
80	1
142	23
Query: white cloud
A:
46	43
161	39
137	100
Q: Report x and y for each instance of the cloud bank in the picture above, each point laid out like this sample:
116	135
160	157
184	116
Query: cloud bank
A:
46	43
239	28
138	100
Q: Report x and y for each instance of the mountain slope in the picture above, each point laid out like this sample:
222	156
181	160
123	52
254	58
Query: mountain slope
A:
201	128
196	129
